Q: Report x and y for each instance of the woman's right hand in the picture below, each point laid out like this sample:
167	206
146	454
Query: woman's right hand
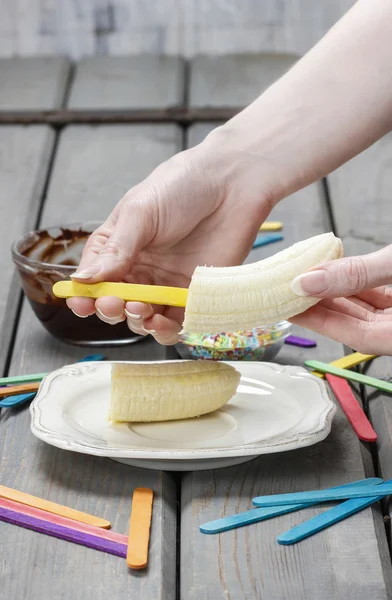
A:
202	207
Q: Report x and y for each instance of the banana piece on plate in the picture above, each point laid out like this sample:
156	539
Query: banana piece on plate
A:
227	299
169	391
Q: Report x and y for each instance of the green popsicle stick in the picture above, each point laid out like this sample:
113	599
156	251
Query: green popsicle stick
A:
22	379
36	377
379	384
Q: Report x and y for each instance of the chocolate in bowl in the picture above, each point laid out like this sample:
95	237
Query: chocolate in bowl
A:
50	255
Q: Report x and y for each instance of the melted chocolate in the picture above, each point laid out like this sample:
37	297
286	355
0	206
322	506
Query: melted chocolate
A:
60	249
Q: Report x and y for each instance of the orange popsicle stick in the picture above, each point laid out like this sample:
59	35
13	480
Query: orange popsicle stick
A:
139	528
52	507
12	390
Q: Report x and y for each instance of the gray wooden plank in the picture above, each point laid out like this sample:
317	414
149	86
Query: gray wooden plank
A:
93	168
24	160
248	563
234	80
132	82
360	195
35	83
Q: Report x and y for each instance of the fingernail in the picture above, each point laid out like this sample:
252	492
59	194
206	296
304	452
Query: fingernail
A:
150	331
132	316
86	273
110	320
80	316
310	284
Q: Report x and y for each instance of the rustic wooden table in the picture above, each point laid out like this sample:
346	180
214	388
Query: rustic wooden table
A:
51	175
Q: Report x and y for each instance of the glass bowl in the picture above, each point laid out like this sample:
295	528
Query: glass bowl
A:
259	344
49	255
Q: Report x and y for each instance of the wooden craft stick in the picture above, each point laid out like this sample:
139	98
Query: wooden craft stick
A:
13	390
37	377
29	511
64	533
346	362
17	379
139	528
267	239
352	409
261	514
378	384
271	226
52	507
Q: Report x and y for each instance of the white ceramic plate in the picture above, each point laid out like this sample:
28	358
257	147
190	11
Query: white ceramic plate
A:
276	408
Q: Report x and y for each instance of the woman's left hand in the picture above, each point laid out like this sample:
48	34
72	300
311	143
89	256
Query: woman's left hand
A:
356	305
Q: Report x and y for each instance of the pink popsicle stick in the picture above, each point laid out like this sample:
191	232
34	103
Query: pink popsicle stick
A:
64	533
64	521
352	409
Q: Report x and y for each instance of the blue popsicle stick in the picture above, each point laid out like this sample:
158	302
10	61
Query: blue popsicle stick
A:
324	520
363	491
15	400
262	514
21	398
263	240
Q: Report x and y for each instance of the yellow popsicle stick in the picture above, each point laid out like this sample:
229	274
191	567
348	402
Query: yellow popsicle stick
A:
52	507
152	294
139	528
346	362
271	226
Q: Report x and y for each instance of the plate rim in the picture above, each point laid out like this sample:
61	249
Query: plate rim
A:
282	444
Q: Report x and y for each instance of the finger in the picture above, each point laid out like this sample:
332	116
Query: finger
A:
166	331
138	310
380	298
81	307
95	243
346	276
349	307
110	309
110	257
136	327
373	337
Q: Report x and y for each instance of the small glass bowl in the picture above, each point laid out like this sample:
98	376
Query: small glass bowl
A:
258	344
46	256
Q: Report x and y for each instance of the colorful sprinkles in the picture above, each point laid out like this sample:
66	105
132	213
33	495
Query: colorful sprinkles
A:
241	345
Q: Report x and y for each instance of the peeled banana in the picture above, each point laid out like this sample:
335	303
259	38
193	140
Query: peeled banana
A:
170	391
227	299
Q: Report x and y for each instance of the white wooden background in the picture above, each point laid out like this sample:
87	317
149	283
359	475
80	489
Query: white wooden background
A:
78	28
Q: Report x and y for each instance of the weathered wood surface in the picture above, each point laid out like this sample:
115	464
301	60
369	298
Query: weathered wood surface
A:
33	83
234	80
132	82
25	153
93	168
361	197
24	161
248	563
164	26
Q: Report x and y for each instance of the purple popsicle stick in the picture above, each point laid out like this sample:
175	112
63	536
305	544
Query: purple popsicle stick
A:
63	533
294	340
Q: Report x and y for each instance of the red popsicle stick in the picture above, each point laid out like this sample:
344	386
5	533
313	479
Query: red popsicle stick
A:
352	409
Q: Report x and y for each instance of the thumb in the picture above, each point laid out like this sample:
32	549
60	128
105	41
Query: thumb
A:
346	276
111	249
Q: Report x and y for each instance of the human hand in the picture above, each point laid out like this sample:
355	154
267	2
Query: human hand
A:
198	208
357	306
